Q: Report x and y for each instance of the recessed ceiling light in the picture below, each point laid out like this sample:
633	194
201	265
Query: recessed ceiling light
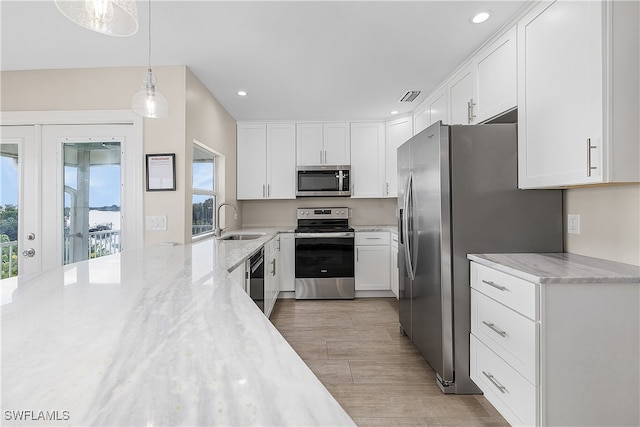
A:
241	93
480	17
394	112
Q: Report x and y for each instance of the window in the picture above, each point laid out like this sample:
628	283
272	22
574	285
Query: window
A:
204	190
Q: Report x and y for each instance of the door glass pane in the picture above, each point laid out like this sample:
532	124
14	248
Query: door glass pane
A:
9	177
91	200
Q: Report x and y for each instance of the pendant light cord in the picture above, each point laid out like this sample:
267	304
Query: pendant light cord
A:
149	56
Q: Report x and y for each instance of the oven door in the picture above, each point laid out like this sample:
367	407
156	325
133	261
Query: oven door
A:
324	265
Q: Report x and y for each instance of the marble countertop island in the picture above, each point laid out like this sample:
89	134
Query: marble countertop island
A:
548	268
153	337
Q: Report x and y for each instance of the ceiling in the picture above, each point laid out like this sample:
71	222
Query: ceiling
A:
298	60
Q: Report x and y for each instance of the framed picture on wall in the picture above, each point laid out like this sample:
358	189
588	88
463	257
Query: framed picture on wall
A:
161	172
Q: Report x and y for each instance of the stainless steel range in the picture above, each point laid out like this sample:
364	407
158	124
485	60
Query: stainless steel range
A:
324	254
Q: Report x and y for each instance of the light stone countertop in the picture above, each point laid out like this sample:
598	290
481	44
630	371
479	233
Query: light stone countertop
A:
552	268
364	228
153	337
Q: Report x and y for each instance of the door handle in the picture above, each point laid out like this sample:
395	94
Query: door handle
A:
29	253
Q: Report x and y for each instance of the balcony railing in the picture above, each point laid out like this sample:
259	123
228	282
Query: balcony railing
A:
9	251
100	243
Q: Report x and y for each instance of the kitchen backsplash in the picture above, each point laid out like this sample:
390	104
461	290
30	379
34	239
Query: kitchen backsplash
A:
610	224
277	213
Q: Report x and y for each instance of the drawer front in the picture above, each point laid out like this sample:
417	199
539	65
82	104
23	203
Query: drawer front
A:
515	293
372	238
509	334
512	395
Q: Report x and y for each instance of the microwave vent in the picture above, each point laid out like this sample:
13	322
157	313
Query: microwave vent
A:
409	96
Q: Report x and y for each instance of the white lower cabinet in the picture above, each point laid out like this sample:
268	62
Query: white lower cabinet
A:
271	274
556	353
372	267
395	271
288	262
239	275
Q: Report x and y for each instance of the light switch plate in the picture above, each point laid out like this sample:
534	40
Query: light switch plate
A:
573	224
156	222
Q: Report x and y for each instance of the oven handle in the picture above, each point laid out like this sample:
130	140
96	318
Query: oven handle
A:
346	234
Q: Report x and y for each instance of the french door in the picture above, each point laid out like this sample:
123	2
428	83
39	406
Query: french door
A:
77	192
19	211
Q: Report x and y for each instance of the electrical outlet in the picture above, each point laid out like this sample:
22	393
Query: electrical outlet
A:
573	224
157	222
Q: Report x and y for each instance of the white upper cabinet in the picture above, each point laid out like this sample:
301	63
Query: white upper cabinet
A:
337	149
438	107
281	161
496	78
433	109
323	144
461	97
367	160
397	133
484	88
251	164
578	85
266	161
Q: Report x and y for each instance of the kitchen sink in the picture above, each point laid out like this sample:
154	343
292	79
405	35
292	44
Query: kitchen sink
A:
241	236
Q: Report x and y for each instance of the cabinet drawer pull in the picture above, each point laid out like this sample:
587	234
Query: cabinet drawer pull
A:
495	383
494	329
495	285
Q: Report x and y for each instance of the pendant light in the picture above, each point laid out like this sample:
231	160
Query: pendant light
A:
111	17
148	102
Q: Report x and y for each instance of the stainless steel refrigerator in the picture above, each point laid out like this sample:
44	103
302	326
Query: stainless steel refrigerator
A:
458	194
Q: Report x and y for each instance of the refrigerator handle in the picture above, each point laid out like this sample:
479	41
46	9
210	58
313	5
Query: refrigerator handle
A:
408	194
400	222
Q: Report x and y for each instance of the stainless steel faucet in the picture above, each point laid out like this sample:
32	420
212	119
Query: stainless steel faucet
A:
218	231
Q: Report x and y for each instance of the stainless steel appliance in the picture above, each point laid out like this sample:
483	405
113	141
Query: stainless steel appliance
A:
256	278
324	248
457	194
323	181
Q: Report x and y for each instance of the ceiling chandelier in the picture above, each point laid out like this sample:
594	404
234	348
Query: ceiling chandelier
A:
111	17
148	102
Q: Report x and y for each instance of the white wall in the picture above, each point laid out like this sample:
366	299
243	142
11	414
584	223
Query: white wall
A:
112	89
210	124
609	222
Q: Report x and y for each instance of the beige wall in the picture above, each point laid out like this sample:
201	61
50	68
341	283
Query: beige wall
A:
260	213
112	89
609	222
210	124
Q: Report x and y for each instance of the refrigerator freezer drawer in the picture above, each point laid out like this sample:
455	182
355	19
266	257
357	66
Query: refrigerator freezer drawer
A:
506	389
515	293
507	333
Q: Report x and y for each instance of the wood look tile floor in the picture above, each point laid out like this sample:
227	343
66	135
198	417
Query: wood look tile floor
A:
356	349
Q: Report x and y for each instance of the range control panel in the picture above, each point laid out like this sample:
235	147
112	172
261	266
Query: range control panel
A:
323	213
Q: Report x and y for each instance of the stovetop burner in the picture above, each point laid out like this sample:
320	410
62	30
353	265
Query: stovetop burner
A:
334	229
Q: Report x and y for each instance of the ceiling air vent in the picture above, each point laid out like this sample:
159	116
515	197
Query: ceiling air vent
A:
409	96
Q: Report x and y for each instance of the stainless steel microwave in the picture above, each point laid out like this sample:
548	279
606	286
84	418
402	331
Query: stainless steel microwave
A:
323	181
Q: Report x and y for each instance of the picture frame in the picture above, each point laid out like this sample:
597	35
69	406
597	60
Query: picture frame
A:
161	172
